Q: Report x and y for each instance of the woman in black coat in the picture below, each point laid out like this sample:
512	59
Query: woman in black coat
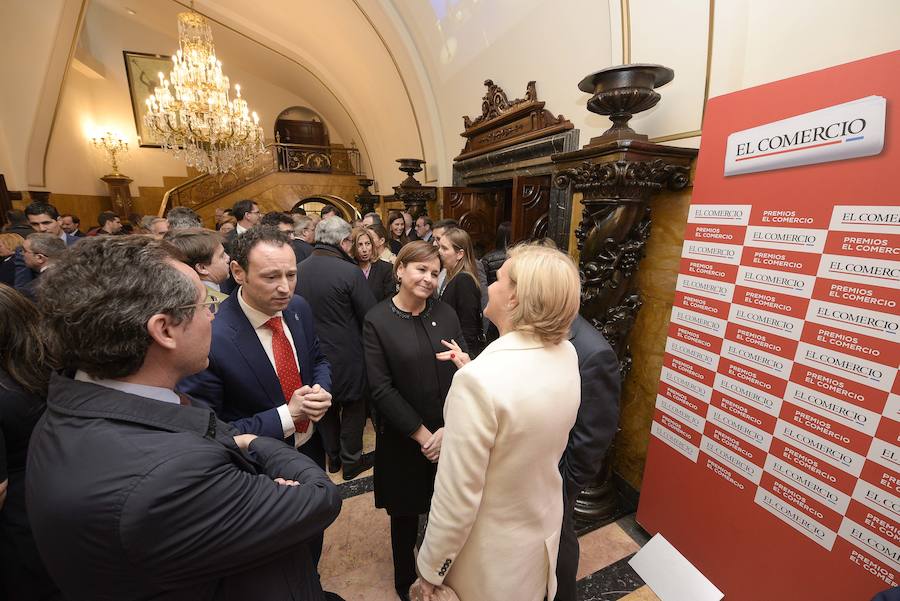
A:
379	274
408	383
23	389
461	290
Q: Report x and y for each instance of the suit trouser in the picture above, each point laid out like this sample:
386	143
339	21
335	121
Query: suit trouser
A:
345	422
404	531
314	449
567	560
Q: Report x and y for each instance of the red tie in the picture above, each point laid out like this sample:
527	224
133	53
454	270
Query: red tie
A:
286	366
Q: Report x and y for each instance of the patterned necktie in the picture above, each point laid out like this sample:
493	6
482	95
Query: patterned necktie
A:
286	366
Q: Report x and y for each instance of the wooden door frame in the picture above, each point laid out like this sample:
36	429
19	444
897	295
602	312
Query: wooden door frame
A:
526	159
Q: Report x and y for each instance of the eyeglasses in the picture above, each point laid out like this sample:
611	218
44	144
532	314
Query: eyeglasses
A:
211	303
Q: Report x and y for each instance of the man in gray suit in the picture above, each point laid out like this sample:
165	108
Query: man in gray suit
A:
160	499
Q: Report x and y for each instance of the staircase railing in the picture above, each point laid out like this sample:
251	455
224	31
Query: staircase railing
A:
277	157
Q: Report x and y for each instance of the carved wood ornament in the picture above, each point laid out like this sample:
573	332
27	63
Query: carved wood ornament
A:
505	122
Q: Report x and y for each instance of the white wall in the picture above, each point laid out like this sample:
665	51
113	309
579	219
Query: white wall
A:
89	104
464	42
27	29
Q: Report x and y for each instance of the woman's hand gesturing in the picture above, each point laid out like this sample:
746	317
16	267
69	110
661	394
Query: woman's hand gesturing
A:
455	354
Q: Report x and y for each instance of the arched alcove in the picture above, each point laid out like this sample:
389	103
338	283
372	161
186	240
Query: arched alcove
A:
301	125
314	204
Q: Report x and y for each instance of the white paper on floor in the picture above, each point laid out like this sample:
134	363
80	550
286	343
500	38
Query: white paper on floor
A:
669	575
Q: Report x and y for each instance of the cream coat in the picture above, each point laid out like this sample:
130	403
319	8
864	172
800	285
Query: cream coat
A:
493	531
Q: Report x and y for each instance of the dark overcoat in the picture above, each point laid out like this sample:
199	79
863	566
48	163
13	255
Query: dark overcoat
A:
336	289
590	437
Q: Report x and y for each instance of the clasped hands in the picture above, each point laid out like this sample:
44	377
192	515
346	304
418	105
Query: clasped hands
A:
430	443
310	403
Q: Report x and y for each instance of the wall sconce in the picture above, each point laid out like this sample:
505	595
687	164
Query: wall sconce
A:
113	145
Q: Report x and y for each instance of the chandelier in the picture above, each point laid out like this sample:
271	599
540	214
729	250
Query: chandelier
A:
191	111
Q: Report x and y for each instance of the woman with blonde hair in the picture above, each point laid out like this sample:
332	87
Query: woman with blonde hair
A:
378	273
495	520
9	242
380	240
460	288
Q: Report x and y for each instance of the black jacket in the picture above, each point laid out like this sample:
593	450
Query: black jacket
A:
397	369
336	289
464	295
22	575
8	271
134	498
381	280
492	262
302	249
590	437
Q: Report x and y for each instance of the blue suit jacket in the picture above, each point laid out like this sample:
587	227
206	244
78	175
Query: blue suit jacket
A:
240	384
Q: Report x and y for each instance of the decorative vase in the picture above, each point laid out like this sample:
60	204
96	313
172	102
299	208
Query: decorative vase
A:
621	92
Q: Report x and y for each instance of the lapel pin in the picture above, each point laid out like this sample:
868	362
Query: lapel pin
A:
434	324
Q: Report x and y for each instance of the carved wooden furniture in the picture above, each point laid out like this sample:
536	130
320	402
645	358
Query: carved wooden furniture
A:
365	199
505	122
616	174
506	161
411	192
119	193
478	210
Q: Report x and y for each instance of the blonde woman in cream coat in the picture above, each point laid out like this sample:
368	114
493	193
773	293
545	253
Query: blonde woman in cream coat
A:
494	526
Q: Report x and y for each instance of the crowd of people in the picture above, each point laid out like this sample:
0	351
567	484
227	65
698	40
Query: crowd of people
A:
170	401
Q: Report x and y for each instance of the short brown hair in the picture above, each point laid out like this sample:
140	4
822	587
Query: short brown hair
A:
196	244
416	252
548	290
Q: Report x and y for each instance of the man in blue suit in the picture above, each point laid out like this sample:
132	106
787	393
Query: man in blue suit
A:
244	380
266	374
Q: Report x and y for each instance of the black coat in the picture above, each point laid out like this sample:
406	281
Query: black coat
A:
492	262
302	249
381	280
404	478
590	437
464	296
134	498
22	573
8	271
336	289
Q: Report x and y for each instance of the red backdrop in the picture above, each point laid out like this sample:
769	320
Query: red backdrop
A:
739	415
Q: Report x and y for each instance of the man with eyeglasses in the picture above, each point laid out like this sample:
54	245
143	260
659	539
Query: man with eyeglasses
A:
135	491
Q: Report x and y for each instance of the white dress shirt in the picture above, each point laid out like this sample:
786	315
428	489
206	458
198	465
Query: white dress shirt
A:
258	320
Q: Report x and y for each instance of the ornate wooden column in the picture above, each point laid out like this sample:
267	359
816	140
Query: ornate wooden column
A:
617	174
413	194
365	199
119	193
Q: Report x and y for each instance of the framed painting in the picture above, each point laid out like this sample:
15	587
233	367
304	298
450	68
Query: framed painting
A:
143	76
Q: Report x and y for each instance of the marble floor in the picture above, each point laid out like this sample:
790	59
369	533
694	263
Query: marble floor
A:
356	559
